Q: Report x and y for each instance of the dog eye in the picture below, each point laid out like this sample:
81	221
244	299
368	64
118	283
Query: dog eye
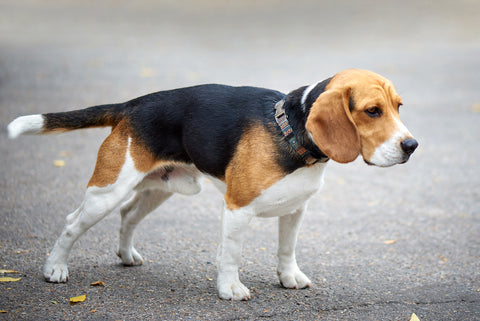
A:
374	112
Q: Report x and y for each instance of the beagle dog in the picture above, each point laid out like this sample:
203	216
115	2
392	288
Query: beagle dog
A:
264	150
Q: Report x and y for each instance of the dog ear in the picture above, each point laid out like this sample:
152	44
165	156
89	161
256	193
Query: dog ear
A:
331	125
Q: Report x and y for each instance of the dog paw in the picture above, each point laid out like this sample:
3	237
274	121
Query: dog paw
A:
130	257
56	273
232	289
295	279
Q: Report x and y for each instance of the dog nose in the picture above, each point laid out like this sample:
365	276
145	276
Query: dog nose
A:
409	146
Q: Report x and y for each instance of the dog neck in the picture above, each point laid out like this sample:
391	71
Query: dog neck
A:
291	115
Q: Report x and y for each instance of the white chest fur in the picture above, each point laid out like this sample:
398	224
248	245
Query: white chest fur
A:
290	193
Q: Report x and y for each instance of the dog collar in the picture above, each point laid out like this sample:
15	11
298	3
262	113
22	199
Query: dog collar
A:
282	121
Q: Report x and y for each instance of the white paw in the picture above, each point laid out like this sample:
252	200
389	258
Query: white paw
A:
294	279
130	257
229	289
56	273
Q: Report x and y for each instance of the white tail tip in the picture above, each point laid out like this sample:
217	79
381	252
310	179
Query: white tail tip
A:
31	124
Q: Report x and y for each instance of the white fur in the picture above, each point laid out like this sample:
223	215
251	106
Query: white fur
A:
184	179
148	194
306	92
31	124
98	203
390	152
288	199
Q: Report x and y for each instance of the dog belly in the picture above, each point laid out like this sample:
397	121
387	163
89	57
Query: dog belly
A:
182	179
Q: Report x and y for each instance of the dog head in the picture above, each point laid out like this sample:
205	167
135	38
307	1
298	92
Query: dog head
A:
358	113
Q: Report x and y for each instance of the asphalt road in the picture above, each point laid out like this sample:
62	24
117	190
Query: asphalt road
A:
379	244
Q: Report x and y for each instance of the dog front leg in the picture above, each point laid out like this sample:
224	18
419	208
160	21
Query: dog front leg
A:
233	226
288	272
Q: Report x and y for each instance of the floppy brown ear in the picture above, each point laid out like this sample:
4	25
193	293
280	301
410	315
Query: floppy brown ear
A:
331	125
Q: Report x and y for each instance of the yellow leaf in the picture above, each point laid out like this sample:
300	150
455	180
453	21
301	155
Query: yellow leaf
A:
59	163
390	242
77	299
8	271
414	317
9	279
476	108
3	311
98	283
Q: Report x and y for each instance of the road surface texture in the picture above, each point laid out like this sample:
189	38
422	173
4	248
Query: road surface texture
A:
378	243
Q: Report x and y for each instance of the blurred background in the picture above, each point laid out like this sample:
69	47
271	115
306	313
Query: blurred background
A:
378	243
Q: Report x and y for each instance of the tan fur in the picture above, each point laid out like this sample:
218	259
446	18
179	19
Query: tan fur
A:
111	157
143	159
343	135
254	168
332	126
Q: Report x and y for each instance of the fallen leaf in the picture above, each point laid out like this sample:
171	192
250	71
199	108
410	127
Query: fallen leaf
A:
77	299
93	311
54	302
8	271
98	283
388	242
476	108
414	317
263	249
59	163
3	311
9	279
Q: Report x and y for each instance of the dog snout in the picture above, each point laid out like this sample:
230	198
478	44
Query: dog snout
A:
409	146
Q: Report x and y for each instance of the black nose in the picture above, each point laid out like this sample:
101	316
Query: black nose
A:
409	146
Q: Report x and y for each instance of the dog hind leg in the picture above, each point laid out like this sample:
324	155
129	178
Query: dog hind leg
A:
132	212
98	203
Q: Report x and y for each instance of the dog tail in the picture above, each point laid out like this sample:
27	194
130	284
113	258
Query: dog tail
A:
97	116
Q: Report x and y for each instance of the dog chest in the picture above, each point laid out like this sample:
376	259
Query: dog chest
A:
290	193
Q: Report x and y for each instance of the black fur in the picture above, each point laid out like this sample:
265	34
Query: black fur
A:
202	124
298	114
97	116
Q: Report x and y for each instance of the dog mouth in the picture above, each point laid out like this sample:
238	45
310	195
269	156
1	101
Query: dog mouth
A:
403	160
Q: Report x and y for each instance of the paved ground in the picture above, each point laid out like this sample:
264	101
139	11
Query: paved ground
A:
379	244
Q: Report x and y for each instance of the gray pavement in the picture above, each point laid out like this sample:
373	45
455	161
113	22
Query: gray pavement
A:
379	244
